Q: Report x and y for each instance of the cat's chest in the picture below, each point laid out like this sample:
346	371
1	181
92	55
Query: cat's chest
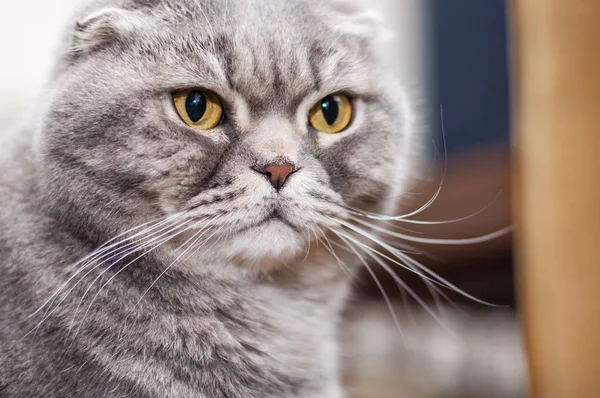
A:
205	358
246	347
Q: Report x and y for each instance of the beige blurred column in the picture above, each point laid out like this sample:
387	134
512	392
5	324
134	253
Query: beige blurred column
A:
556	49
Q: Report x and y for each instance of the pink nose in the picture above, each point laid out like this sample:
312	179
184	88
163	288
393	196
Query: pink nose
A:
278	174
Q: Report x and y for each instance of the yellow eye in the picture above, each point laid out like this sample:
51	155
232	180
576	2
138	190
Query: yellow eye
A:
332	114
200	109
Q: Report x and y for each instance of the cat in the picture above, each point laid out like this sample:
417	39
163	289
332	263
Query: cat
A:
172	213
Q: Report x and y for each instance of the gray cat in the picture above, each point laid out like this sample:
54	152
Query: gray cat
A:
172	214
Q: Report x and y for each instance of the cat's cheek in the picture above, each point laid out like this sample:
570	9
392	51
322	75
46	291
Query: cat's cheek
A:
171	191
168	198
217	137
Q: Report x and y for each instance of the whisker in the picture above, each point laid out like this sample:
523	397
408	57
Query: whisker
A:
374	216
406	303
308	249
121	249
193	253
160	238
379	285
92	257
407	267
401	218
433	241
151	249
445	282
317	239
431	284
401	284
442	179
327	244
196	237
105	246
135	249
99	290
404	285
439	292
401	256
434	291
405	218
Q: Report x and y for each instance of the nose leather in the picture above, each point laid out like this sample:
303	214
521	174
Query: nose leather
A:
278	174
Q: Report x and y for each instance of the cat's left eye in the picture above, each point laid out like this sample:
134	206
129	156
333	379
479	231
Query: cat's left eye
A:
332	114
200	109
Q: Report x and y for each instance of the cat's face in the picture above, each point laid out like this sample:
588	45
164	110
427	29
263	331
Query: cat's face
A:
262	172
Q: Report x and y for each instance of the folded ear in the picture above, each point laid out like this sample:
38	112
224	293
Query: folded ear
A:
366	24
102	27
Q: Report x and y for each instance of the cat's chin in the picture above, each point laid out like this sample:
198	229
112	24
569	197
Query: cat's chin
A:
272	240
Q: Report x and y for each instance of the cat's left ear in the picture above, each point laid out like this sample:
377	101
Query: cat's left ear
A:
367	24
102	27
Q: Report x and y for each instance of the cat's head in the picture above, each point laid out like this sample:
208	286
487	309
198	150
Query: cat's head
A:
259	120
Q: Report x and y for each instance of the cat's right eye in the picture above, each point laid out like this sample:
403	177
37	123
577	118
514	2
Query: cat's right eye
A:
200	109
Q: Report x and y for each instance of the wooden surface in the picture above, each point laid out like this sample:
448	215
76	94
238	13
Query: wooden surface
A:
557	191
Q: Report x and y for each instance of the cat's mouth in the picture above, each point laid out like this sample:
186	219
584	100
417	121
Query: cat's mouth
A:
272	235
273	218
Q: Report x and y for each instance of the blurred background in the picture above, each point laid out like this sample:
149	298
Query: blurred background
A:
450	55
456	348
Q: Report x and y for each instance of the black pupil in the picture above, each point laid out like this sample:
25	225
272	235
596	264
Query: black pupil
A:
330	109
195	105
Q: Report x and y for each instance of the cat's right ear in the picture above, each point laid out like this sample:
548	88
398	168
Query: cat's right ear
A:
102	27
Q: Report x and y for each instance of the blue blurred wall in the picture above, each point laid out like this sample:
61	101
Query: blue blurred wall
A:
471	71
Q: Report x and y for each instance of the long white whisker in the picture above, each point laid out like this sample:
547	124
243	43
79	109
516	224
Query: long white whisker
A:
317	239
151	246
446	297
432	241
407	288
137	248
431	284
99	290
191	254
379	285
378	217
413	262
442	179
342	265
445	282
160	238
135	240
106	246
92	257
196	237
401	218
406	303
369	248
307	250
132	251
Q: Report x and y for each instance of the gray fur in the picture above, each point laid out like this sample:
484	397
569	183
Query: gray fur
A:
250	314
